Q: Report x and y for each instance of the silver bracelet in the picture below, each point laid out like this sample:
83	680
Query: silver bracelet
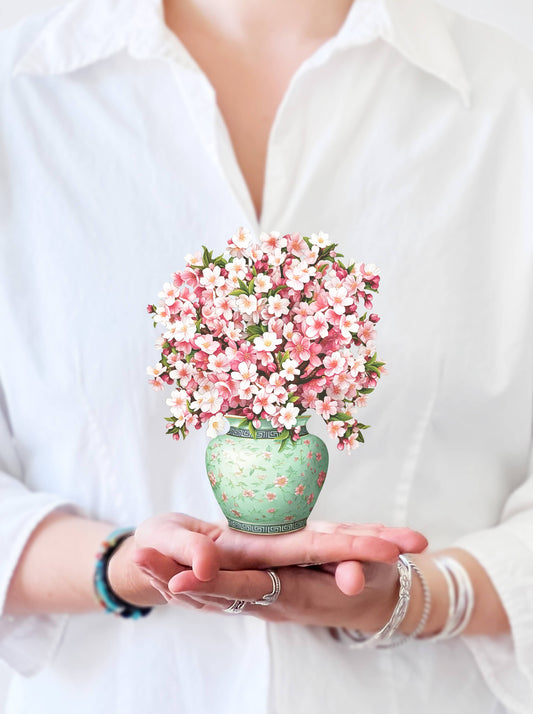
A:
427	603
460	595
355	639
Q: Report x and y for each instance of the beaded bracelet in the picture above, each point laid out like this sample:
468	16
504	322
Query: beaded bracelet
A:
104	594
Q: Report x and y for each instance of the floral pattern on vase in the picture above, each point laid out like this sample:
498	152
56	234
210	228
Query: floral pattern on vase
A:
261	489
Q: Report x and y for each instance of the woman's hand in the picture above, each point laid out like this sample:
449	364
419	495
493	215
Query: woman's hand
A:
309	595
168	546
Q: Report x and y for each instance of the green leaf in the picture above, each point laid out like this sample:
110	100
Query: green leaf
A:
360	438
283	444
341	416
374	369
277	290
256	330
366	390
252	430
207	257
243	422
282	435
239	291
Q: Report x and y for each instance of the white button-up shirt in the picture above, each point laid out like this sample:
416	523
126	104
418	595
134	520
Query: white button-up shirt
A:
407	137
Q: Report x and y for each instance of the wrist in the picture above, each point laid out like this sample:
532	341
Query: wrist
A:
128	581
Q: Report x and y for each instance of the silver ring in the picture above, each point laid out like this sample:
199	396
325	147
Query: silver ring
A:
236	607
270	597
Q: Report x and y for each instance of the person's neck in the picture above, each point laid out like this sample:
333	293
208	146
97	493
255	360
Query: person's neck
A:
242	20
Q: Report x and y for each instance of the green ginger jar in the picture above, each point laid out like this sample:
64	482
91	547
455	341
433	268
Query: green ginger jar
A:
261	489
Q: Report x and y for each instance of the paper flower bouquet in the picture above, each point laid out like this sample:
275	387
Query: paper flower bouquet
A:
264	333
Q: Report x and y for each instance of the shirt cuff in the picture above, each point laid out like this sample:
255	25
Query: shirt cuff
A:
27	642
506	661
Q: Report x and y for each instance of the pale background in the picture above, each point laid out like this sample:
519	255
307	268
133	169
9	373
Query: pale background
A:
515	16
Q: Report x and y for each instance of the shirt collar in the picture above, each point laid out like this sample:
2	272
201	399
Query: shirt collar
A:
86	31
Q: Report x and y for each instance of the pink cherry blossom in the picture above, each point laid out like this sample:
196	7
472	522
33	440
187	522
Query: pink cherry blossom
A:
219	362
334	364
339	300
169	293
270	242
264	401
218	424
316	325
267	342
241	239
321	240
246	374
212	278
247	304
262	283
287	416
336	429
299	348
326	407
278	306
312	351
290	369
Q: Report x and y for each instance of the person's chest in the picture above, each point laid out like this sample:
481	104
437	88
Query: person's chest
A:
115	210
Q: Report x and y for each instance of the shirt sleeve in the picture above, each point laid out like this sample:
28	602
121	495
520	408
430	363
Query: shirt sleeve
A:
506	553
26	643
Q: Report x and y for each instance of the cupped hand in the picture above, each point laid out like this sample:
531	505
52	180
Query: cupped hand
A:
166	546
309	595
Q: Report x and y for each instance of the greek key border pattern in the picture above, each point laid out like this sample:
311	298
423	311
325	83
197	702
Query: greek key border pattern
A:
267	529
260	433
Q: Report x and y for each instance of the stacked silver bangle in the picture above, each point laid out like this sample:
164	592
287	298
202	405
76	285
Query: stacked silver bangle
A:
355	639
460	597
461	605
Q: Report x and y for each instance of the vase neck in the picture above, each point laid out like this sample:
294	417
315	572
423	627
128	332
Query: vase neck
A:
265	430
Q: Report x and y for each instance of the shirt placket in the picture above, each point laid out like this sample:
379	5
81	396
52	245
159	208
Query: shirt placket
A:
363	25
151	38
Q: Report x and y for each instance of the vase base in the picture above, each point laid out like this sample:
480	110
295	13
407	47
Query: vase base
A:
267	529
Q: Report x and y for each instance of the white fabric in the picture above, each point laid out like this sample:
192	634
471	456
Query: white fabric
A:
408	138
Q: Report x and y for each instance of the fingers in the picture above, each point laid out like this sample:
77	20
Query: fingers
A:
350	577
240	550
186	540
156	564
406	539
206	547
243	585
